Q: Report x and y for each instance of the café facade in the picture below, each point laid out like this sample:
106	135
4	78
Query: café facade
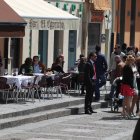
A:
50	31
12	28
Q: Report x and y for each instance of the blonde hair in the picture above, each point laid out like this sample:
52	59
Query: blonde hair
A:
130	59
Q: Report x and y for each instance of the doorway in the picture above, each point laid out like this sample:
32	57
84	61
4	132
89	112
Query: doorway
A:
58	43
43	46
93	36
72	48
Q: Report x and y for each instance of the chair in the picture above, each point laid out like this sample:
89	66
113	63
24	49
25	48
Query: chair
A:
80	80
45	85
6	89
31	88
66	82
57	85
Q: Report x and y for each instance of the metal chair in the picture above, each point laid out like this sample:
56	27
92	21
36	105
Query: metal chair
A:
80	81
6	89
66	82
30	89
57	85
45	86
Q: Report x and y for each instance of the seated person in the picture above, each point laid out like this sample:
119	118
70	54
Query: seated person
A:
26	67
56	66
38	67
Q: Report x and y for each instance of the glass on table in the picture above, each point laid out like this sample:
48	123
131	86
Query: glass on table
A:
23	71
5	71
15	71
40	69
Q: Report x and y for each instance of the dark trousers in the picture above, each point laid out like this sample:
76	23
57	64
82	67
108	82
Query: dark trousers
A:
100	81
89	96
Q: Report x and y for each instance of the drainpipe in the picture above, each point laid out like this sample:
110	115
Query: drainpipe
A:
112	26
118	17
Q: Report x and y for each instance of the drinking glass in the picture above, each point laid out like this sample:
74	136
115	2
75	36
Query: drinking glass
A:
6	72
40	69
13	71
16	71
23	71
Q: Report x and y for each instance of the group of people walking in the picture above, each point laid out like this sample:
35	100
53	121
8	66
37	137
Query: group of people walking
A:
123	65
126	65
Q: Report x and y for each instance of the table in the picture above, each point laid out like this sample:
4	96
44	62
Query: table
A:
41	74
18	80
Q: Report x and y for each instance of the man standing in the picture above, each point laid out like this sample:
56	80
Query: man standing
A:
89	81
101	68
117	51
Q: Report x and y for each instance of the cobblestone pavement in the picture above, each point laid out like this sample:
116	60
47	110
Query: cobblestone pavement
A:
101	126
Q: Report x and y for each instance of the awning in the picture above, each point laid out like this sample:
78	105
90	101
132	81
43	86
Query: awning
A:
41	15
101	4
11	24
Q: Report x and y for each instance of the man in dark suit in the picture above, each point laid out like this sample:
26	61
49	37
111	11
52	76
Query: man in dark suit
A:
89	81
101	68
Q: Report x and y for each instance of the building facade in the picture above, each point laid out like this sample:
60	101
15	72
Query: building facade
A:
73	7
127	22
97	26
50	31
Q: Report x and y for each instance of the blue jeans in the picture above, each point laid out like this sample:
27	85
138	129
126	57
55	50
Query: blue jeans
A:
100	81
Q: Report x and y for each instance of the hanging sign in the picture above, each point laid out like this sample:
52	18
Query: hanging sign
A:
97	15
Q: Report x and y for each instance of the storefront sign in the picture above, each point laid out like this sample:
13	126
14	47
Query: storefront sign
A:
97	16
48	24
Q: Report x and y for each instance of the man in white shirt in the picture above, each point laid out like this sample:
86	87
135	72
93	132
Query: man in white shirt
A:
117	51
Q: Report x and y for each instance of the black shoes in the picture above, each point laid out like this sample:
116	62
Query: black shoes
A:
82	93
93	111
90	112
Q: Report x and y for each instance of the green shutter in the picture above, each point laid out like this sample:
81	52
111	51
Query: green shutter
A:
81	8
65	6
57	4
73	7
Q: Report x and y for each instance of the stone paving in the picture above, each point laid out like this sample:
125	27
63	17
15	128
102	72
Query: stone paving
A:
101	126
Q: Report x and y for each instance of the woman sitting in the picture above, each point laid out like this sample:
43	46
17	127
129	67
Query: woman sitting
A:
27	67
56	66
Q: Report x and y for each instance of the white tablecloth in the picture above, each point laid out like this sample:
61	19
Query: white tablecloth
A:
41	74
19	79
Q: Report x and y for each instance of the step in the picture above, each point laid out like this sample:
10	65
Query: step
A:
35	109
61	104
48	114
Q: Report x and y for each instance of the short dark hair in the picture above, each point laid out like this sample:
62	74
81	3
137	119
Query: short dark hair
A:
81	55
97	48
91	54
35	57
28	61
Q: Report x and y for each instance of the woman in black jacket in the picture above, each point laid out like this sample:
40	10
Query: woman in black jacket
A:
128	88
56	66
